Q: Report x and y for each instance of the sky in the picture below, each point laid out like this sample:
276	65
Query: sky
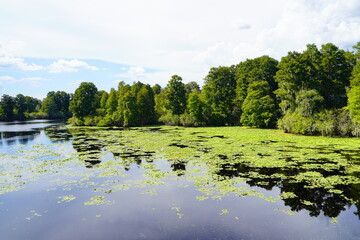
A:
52	45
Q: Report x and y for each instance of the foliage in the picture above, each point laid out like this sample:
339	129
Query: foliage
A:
311	92
7	105
219	95
259	69
56	105
259	108
195	108
175	94
84	103
354	93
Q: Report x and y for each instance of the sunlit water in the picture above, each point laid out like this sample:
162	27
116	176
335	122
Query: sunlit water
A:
76	199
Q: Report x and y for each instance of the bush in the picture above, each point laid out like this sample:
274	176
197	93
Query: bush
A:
188	120
169	119
36	115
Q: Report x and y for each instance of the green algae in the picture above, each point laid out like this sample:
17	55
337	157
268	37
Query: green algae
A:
97	200
219	162
66	198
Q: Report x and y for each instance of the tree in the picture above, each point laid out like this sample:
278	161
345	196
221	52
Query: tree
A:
31	104
259	69
103	99
335	74
219	95
7	105
20	106
175	95
56	104
84	102
146	105
112	102
191	86
259	108
50	107
156	89
195	106
354	93
129	110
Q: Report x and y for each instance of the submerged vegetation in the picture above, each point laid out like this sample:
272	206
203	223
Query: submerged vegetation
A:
316	174
314	92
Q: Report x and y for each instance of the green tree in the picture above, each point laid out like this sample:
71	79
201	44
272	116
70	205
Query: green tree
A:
335	75
156	89
50	107
129	110
20	106
219	95
146	105
297	71
354	93
259	108
112	102
7	105
103	99
56	104
175	95
259	69
32	104
84	100
191	86
195	106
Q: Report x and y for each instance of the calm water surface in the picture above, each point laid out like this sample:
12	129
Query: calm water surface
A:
54	186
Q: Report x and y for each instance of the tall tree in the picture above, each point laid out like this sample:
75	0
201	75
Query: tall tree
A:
335	75
32	104
219	95
50	107
195	106
84	103
20	106
191	86
259	69
7	105
112	102
146	105
175	95
259	108
354	93
156	89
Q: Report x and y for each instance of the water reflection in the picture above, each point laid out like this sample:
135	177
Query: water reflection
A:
22	132
151	202
316	200
179	167
89	148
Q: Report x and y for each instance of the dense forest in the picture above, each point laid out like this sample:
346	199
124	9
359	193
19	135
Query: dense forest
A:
315	92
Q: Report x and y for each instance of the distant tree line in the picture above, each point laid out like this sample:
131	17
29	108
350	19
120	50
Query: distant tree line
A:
54	106
313	92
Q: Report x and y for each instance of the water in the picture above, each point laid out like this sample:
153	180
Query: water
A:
57	184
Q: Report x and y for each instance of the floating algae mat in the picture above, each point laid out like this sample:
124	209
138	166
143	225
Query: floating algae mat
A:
163	182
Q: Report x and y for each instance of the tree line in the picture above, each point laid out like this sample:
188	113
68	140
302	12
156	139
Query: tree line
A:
313	92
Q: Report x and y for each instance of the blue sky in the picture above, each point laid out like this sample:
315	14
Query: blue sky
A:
48	45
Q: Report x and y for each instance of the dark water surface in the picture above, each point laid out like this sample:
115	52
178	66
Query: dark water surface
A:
57	184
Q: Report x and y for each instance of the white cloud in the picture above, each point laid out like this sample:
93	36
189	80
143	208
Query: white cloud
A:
136	73
32	81
179	37
303	22
7	61
74	65
11	47
59	66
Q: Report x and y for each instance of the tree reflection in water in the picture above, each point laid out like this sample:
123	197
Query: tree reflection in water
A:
315	200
